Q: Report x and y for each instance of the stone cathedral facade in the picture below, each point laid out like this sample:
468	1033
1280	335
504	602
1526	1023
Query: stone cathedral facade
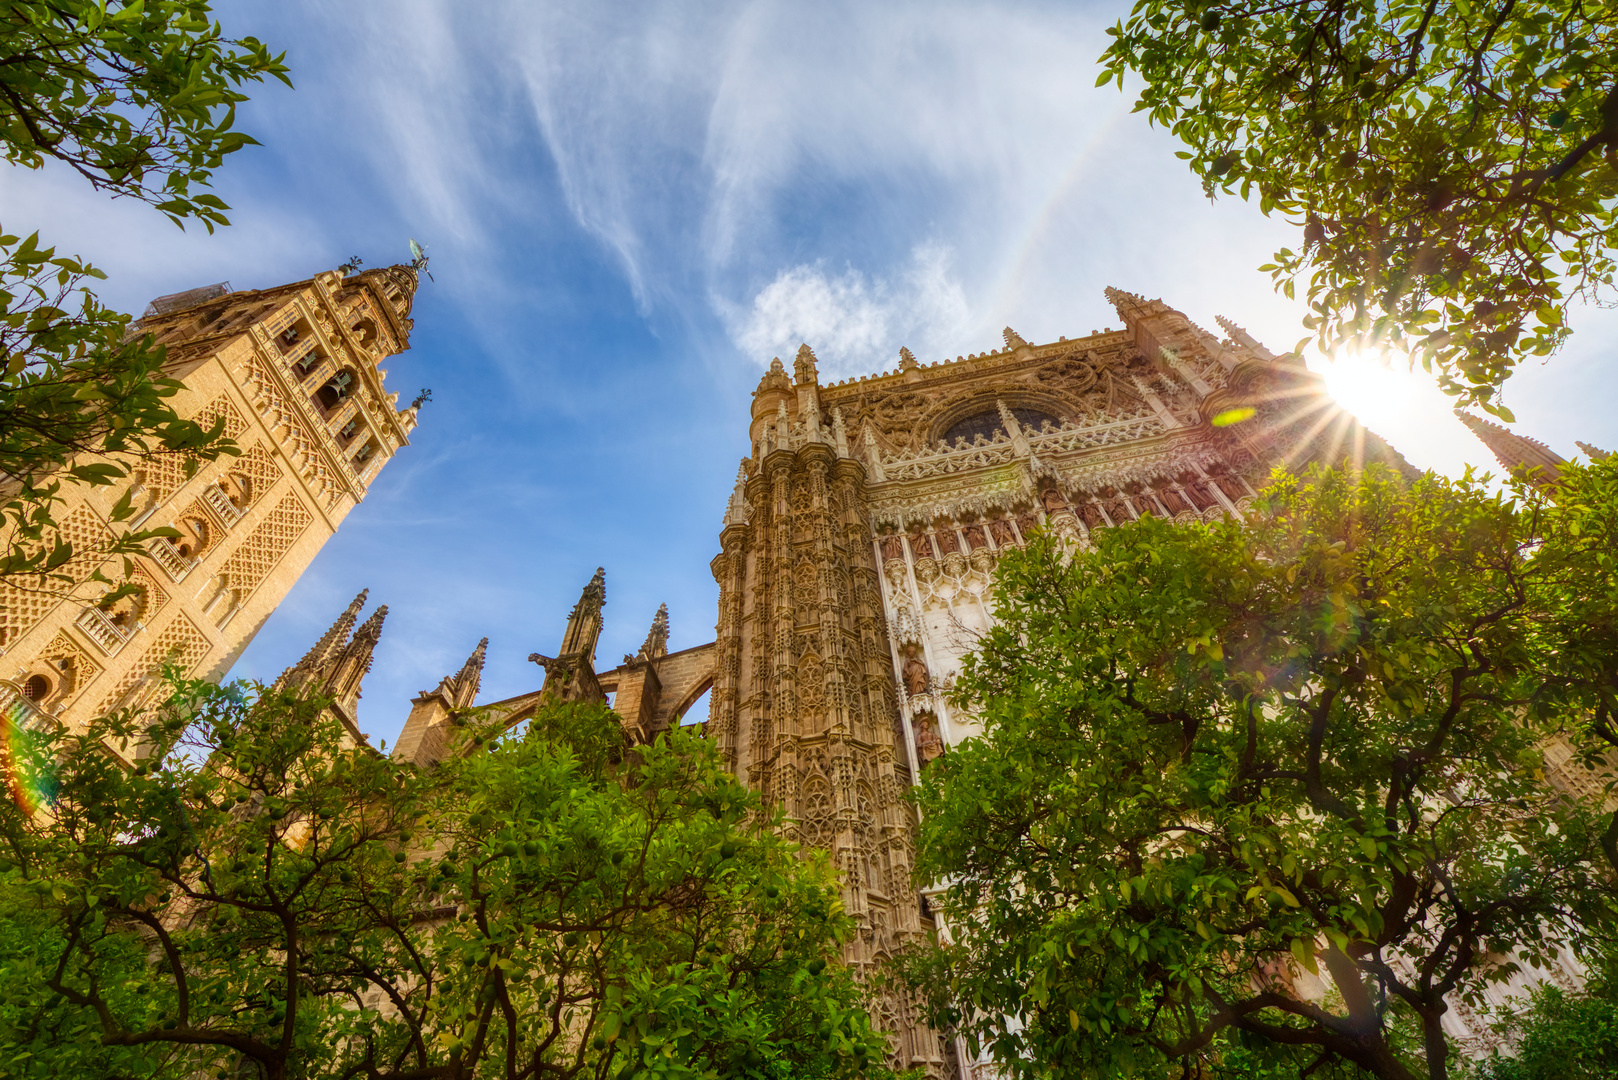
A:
859	548
294	373
857	554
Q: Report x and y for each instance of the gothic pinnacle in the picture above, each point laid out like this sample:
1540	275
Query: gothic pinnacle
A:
1517	453
333	639
804	368
1594	453
657	639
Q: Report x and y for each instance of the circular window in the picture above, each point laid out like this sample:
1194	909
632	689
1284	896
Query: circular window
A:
37	688
988	424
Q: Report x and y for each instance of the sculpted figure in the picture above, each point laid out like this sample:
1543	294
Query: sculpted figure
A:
916	678
975	538
948	543
928	744
1003	536
892	548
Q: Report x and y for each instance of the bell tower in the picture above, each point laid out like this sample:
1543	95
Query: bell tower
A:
294	375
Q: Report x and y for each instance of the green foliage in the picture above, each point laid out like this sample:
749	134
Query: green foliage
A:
1561	1036
259	898
81	401
138	96
1229	771
1454	166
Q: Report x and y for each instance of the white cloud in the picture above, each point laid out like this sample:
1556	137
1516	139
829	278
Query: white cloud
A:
854	322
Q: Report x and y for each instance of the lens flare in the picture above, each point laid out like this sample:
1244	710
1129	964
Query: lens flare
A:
26	761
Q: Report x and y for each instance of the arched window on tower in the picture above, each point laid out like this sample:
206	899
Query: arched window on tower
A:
335	391
238	489
36	688
309	363
193	539
365	330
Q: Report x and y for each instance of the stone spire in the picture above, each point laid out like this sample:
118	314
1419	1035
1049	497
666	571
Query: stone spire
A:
570	675
1243	339
657	639
584	623
1013	339
1594	453
330	642
343	677
462	687
336	666
737	510
1520	455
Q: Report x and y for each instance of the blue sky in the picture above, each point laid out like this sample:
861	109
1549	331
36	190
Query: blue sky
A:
630	208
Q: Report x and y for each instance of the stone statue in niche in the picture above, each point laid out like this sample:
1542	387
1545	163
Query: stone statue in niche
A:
975	538
915	675
1172	502
892	548
948	543
1003	536
928	743
1052	500
922	547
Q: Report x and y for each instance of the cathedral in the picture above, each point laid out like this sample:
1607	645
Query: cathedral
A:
855	559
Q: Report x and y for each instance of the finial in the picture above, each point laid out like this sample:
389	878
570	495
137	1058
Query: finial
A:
774	379
737	510
839	433
1594	453
372	628
1019	440
1013	339
804	368
907	359
873	457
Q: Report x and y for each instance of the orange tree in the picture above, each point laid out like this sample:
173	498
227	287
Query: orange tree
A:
139	98
1273	794
259	898
1453	165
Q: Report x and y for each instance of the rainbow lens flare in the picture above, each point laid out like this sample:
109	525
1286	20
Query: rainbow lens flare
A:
26	762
